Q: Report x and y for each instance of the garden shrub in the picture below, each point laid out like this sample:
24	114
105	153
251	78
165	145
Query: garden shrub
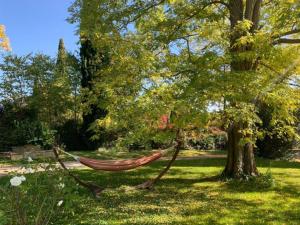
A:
19	126
206	139
251	183
278	139
69	135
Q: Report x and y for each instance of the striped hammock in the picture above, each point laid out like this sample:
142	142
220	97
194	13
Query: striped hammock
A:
116	165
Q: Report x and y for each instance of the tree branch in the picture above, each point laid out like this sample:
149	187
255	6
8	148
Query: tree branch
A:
144	11
195	13
218	2
269	67
188	47
286	41
294	31
294	85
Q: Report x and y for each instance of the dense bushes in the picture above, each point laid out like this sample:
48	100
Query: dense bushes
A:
19	126
69	135
279	138
272	146
206	139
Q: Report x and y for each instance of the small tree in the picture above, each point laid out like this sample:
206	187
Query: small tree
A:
60	90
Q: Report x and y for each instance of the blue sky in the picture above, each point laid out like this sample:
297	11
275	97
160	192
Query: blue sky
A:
36	25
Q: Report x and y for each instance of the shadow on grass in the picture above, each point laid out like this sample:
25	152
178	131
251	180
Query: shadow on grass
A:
172	203
189	194
189	171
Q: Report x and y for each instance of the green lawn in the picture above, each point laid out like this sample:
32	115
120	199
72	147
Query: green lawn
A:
187	195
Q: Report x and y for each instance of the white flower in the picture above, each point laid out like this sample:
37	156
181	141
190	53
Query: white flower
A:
22	178
29	170
16	181
29	159
61	185
60	203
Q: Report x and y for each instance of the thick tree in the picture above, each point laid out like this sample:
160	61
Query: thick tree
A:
240	160
232	53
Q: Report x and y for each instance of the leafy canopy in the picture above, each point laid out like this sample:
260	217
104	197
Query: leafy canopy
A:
175	57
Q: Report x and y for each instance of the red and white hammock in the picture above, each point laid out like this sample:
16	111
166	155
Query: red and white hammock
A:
116	165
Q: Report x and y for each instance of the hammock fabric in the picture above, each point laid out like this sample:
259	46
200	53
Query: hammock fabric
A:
118	165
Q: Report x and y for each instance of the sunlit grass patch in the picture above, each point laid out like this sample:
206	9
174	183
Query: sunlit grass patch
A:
189	194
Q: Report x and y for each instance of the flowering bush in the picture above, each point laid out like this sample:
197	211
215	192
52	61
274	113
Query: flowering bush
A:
36	196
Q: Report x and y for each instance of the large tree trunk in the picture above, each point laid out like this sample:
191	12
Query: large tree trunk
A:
240	158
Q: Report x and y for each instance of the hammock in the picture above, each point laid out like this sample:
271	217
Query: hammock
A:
116	165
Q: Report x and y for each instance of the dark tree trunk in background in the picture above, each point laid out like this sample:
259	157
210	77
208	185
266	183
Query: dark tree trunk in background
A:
240	159
92	61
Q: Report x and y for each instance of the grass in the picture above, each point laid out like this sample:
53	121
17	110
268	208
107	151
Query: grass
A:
186	195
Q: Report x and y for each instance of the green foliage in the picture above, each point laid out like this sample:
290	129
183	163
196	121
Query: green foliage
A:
261	182
9	121
39	199
39	95
60	98
15	81
178	57
204	140
70	136
278	124
43	136
33	132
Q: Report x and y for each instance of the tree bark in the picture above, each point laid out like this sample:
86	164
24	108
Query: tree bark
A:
240	158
